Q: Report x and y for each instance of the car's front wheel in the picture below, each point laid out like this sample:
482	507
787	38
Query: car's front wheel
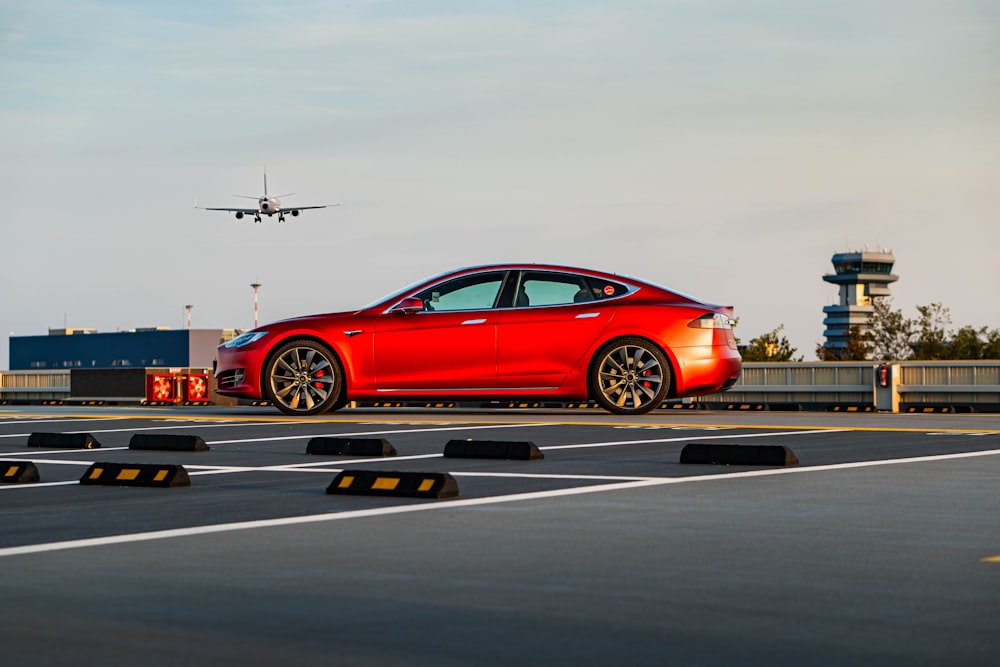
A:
303	377
629	376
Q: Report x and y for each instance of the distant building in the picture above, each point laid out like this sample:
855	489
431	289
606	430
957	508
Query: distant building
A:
862	276
139	348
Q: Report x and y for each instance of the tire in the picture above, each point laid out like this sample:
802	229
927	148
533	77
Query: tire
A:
629	376
303	377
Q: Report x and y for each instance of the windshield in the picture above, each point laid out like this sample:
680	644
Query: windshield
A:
398	294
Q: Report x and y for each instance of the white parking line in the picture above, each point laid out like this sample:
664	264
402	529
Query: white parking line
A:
36	485
157	428
689	438
34	421
451	505
227	470
464	427
36	452
337	465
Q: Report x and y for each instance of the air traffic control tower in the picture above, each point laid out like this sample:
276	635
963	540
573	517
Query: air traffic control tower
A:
862	276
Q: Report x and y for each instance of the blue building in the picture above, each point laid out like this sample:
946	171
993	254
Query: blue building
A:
139	348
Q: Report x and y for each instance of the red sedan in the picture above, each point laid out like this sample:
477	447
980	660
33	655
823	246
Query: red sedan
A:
492	333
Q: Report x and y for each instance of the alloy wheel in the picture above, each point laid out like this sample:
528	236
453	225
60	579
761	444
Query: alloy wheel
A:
303	379
631	378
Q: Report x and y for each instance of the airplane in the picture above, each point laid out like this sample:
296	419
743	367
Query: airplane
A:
266	205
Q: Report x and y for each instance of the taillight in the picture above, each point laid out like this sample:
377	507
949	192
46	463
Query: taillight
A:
720	324
712	321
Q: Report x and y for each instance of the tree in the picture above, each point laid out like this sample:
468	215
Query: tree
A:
931	340
858	347
769	347
895	337
967	343
991	349
890	332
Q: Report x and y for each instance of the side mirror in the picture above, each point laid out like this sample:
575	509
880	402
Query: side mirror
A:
408	306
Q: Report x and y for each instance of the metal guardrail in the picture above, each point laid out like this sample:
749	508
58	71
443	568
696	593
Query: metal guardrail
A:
34	385
908	386
819	383
966	385
905	386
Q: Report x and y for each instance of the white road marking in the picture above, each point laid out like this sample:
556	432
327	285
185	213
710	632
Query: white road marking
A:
33	421
36	485
288	467
337	465
33	452
465	427
527	475
162	428
689	438
451	505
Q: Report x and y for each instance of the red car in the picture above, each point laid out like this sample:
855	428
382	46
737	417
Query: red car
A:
492	333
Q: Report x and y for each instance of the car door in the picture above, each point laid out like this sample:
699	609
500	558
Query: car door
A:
554	320
450	344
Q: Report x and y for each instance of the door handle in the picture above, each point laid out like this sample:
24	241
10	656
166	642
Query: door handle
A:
480	321
583	316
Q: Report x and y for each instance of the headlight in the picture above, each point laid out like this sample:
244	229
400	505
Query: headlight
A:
245	339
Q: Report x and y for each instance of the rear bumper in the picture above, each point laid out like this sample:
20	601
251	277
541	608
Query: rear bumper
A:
706	370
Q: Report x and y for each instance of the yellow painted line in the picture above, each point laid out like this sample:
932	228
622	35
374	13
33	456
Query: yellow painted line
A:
160	476
426	485
483	419
345	481
128	474
992	559
96	472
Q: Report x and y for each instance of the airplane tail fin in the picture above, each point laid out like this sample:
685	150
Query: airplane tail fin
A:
266	195
287	194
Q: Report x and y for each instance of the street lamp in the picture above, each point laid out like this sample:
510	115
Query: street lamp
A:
255	286
188	309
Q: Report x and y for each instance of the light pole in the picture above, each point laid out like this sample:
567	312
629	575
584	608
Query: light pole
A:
188	309
255	286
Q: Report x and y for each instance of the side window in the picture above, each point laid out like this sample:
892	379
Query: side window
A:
476	292
539	288
605	289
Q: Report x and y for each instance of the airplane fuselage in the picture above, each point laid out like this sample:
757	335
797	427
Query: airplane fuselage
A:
269	205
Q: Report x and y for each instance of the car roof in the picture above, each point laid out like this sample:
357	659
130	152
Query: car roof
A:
533	266
528	266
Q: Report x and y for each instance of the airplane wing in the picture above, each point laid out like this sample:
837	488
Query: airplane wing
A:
289	209
245	211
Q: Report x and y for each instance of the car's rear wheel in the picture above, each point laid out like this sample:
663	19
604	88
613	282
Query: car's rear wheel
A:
629	376
303	377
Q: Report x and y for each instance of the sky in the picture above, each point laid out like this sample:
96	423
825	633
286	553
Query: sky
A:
726	149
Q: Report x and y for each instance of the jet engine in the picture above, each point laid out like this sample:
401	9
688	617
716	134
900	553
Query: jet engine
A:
295	214
239	215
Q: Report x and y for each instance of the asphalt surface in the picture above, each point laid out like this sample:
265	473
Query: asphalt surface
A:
882	547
